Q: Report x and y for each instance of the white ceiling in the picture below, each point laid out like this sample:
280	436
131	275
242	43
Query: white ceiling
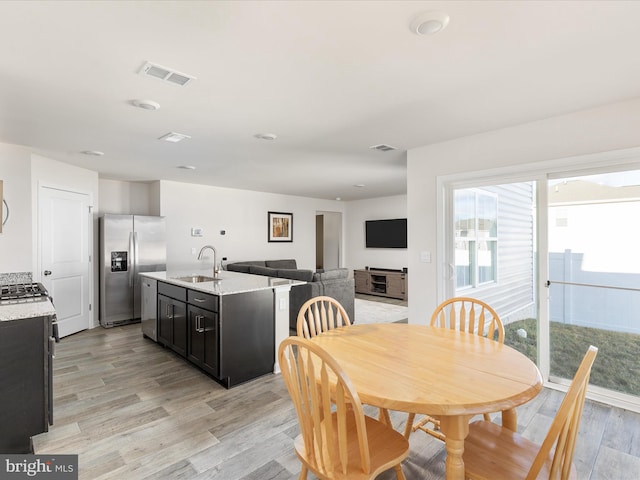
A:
330	78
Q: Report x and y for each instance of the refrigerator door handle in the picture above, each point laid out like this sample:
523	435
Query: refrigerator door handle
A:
130	260
134	261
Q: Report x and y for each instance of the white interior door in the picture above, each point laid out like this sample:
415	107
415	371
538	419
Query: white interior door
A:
64	240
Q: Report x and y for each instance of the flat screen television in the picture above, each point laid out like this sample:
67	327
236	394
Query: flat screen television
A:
386	233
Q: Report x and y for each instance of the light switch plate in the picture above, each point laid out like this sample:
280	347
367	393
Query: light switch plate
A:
196	231
425	257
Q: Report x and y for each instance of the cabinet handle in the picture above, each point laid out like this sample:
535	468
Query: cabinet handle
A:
199	327
170	311
199	300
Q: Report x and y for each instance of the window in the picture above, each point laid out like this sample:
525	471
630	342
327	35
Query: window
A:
476	237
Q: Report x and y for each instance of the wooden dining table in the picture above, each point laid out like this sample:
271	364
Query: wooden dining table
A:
448	374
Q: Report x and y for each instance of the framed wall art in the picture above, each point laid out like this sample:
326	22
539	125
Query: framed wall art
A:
280	227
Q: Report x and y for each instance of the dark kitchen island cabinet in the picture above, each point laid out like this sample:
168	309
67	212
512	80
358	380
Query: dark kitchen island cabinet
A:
172	318
231	337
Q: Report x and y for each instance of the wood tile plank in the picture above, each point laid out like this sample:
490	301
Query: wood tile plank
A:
132	409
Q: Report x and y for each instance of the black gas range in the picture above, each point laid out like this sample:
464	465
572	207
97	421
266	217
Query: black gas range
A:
22	293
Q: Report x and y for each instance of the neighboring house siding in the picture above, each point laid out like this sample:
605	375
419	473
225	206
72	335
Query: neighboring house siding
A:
512	296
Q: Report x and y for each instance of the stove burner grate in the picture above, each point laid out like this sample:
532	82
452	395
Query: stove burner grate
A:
22	293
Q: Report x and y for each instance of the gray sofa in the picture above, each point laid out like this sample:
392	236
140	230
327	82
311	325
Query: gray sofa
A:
332	283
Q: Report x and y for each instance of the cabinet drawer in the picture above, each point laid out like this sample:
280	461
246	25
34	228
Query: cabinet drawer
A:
173	291
203	300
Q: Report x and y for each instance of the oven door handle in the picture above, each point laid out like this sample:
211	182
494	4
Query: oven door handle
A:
54	329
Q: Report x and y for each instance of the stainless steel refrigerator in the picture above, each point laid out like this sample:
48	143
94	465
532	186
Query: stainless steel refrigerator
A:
129	245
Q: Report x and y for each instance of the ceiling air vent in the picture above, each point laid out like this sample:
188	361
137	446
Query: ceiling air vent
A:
173	137
166	74
382	147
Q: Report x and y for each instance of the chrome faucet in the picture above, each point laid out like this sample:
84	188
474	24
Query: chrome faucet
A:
216	269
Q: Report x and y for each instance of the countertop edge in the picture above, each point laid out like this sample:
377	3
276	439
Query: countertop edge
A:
229	283
19	311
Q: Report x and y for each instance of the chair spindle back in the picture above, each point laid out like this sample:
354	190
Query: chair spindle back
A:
324	414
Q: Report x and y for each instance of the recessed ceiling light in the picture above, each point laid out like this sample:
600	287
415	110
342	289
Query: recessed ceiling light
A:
338	198
94	153
266	136
359	185
429	23
173	137
146	104
187	167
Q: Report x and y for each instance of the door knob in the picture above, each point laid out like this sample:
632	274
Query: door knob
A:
47	273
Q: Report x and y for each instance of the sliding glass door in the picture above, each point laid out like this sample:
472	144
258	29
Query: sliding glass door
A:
558	257
594	277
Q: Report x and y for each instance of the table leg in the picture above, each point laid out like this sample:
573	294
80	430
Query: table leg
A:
455	430
510	419
384	417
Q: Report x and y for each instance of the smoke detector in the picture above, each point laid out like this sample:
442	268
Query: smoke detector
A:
165	74
146	104
429	23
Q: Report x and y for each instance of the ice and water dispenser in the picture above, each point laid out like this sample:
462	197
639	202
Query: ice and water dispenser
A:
119	261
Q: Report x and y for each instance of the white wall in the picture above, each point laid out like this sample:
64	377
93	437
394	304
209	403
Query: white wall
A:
243	215
373	209
134	198
23	173
16	236
604	129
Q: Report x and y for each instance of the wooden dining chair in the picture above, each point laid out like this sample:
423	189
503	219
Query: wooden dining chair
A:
319	314
469	315
492	451
337	440
465	314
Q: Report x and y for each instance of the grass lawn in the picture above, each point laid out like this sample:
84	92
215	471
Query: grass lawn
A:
617	365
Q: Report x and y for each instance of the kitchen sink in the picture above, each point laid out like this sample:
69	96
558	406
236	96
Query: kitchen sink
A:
197	279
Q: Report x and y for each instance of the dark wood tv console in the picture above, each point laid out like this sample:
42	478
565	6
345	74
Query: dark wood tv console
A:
383	282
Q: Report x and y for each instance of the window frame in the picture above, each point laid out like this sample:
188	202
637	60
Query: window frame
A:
473	242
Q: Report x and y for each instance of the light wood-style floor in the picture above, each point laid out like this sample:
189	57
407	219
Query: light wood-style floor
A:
132	410
377	298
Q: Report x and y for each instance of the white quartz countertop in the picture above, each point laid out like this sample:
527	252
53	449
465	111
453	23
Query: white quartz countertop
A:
16	311
228	283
